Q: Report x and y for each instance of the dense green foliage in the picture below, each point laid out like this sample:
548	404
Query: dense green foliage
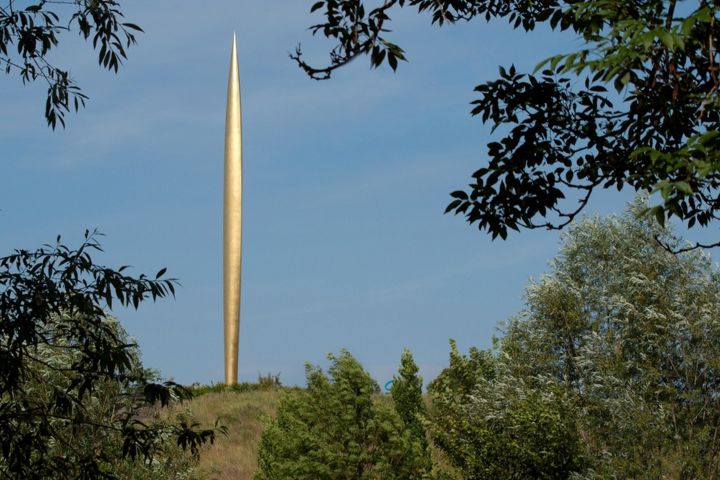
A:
74	400
336	429
493	425
30	33
612	371
564	134
406	393
48	377
633	333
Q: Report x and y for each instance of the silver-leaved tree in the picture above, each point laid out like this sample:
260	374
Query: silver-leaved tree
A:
612	371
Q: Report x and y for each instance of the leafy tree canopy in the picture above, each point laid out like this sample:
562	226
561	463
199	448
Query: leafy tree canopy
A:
74	400
491	425
30	31
406	393
612	371
339	429
636	104
633	332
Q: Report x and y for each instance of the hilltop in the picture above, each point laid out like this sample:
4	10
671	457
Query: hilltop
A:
241	410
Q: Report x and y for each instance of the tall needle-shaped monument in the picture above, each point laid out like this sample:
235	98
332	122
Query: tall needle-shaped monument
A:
232	221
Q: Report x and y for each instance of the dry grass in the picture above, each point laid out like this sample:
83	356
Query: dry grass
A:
233	457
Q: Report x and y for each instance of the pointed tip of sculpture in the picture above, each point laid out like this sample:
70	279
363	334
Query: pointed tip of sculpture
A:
233	49
234	45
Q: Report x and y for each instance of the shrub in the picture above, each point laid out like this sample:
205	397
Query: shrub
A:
335	430
407	398
493	426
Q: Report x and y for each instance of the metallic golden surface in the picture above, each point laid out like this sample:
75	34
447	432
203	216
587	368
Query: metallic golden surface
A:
232	221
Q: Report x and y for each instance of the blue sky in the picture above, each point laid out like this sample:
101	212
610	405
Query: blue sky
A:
346	245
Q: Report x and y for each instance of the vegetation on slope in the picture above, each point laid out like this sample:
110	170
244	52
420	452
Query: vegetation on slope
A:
233	457
612	371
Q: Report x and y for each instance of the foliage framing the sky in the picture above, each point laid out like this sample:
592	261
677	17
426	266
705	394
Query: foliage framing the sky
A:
567	134
29	34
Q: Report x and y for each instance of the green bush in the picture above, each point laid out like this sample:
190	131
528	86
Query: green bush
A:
406	393
336	430
493	426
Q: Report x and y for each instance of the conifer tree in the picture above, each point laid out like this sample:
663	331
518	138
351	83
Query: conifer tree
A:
407	396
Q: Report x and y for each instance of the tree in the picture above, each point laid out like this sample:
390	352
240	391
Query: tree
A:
74	401
567	134
491	425
336	430
29	35
632	331
612	371
406	392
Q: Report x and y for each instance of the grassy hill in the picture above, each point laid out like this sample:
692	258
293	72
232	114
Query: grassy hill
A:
242	410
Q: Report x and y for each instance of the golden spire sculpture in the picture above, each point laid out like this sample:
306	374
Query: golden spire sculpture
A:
232	221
